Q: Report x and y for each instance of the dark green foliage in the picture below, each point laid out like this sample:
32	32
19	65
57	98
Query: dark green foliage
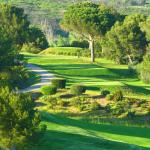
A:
144	69
126	42
30	48
105	92
60	83
48	90
78	89
117	96
15	76
13	32
19	120
95	106
89	20
37	38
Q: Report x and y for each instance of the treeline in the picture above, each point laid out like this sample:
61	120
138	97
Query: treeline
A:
124	39
16	34
19	120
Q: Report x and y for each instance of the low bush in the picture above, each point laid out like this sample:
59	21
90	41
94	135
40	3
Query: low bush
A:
105	93
117	96
48	90
95	106
144	70
60	83
30	48
78	89
109	97
79	102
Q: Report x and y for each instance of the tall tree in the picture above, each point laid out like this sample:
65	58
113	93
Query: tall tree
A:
125	41
13	31
90	21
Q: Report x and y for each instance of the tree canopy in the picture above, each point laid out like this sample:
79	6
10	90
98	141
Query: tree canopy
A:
126	42
90	21
13	31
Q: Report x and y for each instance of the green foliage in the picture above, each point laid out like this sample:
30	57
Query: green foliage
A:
49	90
72	51
13	32
94	106
19	121
144	69
60	83
30	48
117	96
78	89
89	20
126	42
14	76
37	38
105	92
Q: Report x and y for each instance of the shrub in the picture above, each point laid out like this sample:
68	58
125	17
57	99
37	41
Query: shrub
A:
48	90
117	96
105	93
144	70
95	106
78	102
30	48
109	97
60	83
78	89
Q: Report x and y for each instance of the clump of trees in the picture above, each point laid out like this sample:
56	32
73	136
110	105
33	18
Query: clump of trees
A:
126	42
89	21
15	32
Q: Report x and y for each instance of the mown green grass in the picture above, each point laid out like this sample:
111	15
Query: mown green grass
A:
103	74
69	134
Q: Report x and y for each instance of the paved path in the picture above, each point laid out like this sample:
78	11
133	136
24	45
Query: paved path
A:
44	75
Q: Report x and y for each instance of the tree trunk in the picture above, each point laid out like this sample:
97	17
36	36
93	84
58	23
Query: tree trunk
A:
91	47
130	59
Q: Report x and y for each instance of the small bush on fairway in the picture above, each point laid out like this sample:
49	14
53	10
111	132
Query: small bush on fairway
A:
117	96
78	89
48	90
105	93
60	83
95	106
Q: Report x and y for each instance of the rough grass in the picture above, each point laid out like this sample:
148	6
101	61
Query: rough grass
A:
103	74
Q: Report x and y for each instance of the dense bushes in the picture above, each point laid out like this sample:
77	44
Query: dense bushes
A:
78	89
60	83
48	90
19	120
144	69
105	92
117	96
30	48
15	76
70	51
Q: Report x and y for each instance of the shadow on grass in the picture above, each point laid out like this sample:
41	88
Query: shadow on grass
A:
56	140
139	89
119	130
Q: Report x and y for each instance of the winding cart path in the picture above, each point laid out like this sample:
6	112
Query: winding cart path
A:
45	78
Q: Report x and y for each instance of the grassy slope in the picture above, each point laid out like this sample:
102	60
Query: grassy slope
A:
103	74
68	134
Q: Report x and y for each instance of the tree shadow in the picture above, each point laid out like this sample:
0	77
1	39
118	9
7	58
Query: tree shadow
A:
56	140
119	130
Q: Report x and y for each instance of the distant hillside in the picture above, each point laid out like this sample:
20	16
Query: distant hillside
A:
47	13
